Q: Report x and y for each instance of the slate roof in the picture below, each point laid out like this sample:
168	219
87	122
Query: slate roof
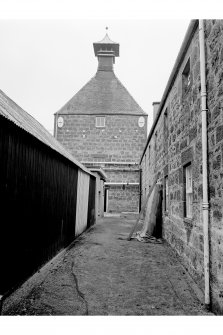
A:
11	111
103	94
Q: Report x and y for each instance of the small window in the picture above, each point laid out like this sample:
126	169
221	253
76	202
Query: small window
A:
188	193
100	121
166	123
186	78
155	147
166	195
166	131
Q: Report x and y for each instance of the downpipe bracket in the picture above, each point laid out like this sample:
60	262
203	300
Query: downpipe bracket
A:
206	206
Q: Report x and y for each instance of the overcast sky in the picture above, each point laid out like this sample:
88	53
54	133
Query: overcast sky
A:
43	63
46	47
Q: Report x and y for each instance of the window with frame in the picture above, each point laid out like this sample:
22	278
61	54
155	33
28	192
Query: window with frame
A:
188	192
100	121
166	195
166	130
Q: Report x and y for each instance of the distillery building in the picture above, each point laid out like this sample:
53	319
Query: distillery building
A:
104	127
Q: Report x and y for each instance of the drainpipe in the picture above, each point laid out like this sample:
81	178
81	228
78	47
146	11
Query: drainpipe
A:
205	205
140	189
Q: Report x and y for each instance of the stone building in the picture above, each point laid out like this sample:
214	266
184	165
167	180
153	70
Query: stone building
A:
176	150
104	127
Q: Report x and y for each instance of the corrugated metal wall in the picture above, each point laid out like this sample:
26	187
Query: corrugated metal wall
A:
82	202
39	192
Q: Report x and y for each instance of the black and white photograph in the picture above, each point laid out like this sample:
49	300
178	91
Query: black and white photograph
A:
111	165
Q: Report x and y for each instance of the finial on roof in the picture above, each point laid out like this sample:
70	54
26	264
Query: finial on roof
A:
106	45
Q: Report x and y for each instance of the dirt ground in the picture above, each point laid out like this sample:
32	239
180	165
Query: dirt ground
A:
102	273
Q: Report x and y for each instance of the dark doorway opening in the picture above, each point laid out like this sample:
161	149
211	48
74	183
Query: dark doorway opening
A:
159	218
105	199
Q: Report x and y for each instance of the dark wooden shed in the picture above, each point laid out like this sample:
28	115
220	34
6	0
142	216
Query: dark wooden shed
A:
38	195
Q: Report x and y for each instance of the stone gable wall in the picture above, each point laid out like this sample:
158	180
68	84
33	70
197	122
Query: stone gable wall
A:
121	140
170	151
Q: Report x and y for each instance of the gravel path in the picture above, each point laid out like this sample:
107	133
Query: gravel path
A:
102	273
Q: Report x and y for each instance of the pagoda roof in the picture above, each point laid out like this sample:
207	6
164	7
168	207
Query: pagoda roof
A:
104	43
103	94
106	40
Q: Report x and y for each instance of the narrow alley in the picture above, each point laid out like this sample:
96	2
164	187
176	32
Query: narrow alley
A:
101	273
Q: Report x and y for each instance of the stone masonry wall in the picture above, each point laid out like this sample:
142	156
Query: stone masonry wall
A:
170	148
127	199
123	200
126	176
168	151
121	140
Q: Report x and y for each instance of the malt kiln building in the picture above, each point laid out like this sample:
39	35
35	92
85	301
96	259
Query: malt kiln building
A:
104	127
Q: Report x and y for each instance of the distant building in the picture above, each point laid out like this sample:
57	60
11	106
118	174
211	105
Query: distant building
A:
188	126
104	127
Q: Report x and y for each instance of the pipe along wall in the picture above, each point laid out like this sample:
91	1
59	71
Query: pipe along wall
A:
46	201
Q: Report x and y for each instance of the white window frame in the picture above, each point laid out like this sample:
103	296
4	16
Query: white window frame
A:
189	191
100	121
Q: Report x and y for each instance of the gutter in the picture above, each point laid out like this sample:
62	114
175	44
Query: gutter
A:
186	42
205	204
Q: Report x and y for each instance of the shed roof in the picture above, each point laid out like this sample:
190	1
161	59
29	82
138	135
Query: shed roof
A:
11	111
100	171
103	94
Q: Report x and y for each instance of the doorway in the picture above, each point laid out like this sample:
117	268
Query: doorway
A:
105	200
159	218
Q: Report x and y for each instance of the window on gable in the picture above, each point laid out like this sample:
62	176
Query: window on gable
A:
188	192
186	78
100	121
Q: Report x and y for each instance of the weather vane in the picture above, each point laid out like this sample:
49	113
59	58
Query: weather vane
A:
106	28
